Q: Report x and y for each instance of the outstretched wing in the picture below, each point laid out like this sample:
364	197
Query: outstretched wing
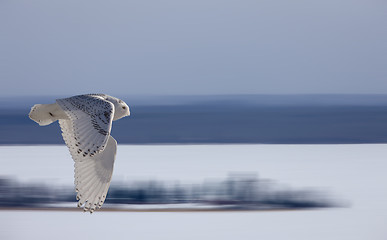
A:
90	123
92	174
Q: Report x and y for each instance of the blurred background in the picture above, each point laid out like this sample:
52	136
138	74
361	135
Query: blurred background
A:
235	105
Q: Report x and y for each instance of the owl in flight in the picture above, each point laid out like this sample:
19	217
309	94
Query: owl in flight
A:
86	122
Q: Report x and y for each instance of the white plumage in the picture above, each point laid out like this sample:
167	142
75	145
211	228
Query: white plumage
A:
86	122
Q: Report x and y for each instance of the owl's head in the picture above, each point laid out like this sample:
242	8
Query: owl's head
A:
121	109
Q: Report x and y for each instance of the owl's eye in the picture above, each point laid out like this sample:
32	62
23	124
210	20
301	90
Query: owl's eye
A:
124	107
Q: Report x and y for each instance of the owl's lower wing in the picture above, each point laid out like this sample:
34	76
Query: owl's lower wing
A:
90	123
93	174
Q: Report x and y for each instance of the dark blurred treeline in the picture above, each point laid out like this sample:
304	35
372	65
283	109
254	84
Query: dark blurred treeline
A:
239	191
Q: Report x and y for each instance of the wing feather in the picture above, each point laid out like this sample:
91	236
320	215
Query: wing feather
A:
92	174
90	123
86	132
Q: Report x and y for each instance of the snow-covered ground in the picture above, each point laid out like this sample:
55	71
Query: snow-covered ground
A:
354	174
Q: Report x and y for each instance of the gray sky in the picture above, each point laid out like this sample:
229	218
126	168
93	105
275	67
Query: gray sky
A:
192	47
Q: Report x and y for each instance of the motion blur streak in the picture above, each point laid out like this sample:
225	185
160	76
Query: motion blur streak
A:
238	191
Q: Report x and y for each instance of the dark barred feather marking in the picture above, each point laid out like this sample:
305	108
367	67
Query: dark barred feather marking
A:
98	112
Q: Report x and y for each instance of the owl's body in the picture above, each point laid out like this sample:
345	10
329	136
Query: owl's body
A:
86	122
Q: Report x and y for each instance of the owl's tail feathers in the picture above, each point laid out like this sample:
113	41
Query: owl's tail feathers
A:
43	114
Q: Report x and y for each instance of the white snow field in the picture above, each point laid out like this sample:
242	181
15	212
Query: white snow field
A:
353	174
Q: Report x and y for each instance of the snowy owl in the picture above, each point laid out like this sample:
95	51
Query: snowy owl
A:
86	121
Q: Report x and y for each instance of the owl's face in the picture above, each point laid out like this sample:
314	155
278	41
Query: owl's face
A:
121	109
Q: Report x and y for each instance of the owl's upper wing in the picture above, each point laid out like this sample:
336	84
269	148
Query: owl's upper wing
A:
90	123
92	174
